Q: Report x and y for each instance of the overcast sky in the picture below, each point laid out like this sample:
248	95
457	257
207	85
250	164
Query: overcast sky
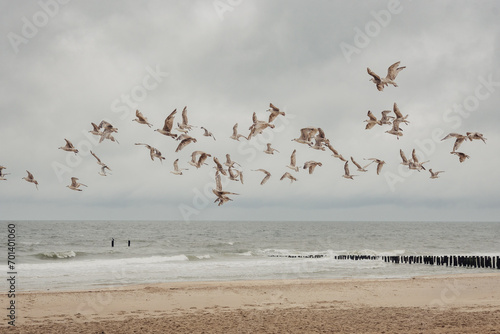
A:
65	65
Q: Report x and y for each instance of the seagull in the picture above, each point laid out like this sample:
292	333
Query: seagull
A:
461	156
360	169
293	161
399	116
31	179
395	129
236	135
311	165
184	126
335	153
177	170
108	135
167	127
103	165
392	72
208	133
68	147
221	195
403	157
258	127
201	161
476	135
219	167
229	162
386	119
153	152
288	176
235	175
380	164
75	185
95	130
434	175
270	150
185	142
306	135
103	171
268	175
458	141
107	127
107	131
2	174
372	121
414	163
275	112
141	119
319	140
99	162
347	175
194	158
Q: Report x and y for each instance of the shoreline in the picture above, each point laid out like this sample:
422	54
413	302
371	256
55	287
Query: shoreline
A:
212	306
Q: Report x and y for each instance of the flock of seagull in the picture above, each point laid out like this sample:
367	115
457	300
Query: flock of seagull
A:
314	138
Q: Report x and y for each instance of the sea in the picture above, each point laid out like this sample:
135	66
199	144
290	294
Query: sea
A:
76	255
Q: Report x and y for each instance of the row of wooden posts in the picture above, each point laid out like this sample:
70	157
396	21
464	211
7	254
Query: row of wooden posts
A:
468	261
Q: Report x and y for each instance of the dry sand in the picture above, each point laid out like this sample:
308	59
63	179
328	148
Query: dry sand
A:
455	304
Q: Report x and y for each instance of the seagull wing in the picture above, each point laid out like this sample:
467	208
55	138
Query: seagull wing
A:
393	70
375	76
354	162
293	158
372	116
169	121
397	111
403	156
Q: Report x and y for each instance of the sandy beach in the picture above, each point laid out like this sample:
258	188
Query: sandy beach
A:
454	304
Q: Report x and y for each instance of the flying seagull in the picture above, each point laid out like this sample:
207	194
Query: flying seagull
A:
141	119
68	147
221	195
461	156
288	176
177	170
380	164
459	139
207	133
347	175
153	152
311	165
236	135
293	161
270	150
167	127
2	174
434	175
275	112
268	175
31	179
360	169
75	185
392	72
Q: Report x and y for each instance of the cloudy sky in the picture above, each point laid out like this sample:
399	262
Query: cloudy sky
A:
66	64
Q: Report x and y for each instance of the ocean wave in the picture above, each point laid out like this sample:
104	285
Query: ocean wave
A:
199	257
57	255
